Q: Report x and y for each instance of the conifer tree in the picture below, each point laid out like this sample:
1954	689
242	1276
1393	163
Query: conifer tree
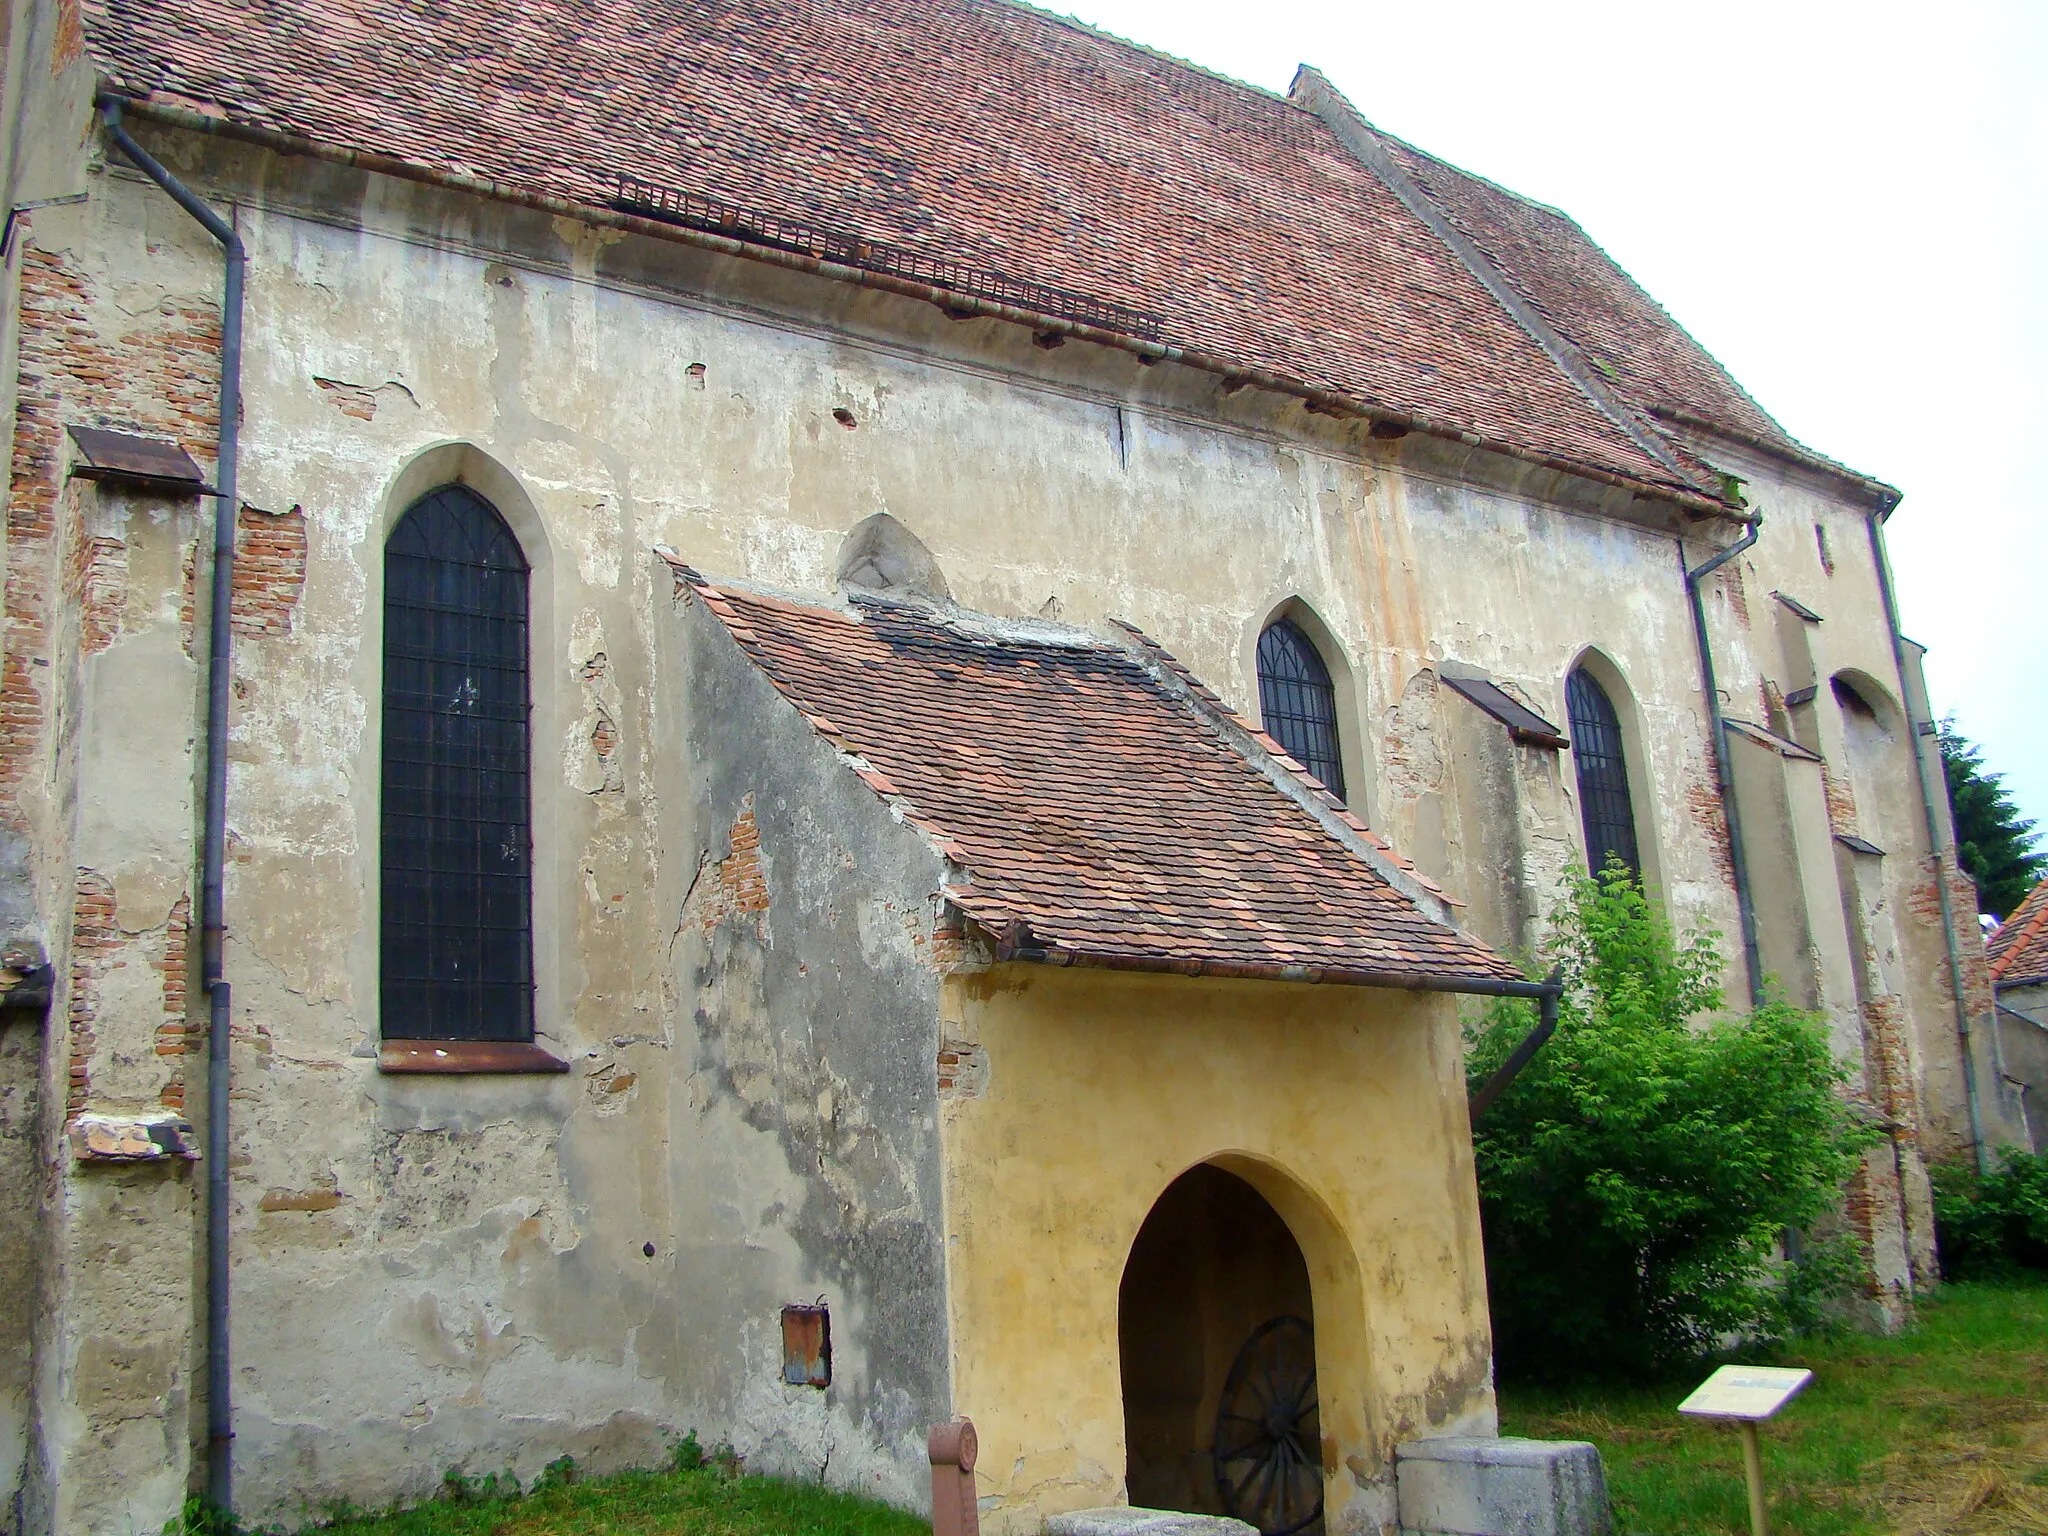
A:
1996	846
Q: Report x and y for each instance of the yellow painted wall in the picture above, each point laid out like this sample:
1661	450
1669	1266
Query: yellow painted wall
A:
1344	1106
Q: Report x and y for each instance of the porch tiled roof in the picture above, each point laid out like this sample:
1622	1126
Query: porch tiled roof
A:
979	131
1089	791
2019	949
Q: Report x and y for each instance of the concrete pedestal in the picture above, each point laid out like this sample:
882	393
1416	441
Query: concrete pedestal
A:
1123	1520
1464	1486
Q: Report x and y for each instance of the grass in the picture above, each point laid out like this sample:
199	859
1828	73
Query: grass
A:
1943	1429
705	1501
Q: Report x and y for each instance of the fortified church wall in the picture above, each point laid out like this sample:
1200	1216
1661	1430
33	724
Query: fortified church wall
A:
446	1249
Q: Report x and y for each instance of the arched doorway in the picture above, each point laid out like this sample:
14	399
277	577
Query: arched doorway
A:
1217	1337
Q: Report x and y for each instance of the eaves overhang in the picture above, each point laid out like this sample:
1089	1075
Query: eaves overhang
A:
1383	419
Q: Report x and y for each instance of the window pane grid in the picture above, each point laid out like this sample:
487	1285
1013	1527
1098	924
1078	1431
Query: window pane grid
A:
1298	702
1604	802
457	948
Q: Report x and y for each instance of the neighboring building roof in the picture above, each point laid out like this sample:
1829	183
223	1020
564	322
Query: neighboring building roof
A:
2019	949
984	133
1095	794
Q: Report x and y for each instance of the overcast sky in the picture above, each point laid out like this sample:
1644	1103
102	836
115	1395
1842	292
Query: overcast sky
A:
1846	203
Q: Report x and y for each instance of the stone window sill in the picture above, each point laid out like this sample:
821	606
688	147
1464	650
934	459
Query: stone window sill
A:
466	1056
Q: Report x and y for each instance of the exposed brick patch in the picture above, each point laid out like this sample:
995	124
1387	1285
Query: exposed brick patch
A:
610	777
736	886
96	579
270	571
172	1036
1888	1066
351	399
1841	801
82	362
1733	584
95	936
1925	903
1703	804
68	45
1872	1202
740	874
1860	1205
270	576
963	1070
1776	715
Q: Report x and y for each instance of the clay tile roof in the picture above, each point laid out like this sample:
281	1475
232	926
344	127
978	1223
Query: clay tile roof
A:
2019	949
1089	796
1602	311
979	132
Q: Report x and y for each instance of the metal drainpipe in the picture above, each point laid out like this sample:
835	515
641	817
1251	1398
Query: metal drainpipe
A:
1914	731
213	848
1724	766
1548	998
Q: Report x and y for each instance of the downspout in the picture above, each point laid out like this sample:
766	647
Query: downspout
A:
1551	993
213	847
1915	730
1724	766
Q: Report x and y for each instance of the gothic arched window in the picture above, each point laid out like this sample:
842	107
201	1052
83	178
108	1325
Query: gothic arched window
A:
1604	802
456	952
1299	702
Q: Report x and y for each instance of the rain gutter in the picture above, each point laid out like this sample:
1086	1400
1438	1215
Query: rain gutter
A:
1916	730
1325	401
213	845
1019	945
1724	763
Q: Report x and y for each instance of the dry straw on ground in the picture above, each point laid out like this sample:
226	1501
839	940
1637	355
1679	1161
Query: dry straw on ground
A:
1985	1474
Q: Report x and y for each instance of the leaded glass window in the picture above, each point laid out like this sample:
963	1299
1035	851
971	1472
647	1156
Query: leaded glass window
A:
1299	702
1604	801
456	944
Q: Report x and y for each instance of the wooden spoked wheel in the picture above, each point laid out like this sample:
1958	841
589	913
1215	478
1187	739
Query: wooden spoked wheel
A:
1268	1445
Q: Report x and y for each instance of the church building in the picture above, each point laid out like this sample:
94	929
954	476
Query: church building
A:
786	717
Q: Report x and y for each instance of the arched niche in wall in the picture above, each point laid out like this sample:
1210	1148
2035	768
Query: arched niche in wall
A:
1354	752
465	464
882	556
1873	725
1593	759
1198	1305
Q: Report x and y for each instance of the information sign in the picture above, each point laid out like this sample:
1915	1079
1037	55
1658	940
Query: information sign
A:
1750	1392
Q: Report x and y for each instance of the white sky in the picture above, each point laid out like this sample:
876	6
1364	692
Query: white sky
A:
1847	203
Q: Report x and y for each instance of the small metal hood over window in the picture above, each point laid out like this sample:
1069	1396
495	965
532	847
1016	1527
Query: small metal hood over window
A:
141	461
1523	723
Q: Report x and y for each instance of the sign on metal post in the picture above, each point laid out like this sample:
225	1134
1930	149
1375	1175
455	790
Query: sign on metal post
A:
1746	1395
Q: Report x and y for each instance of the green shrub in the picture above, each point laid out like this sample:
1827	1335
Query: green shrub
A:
1993	1225
1636	1179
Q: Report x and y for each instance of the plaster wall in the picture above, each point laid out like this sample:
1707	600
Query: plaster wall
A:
1344	1107
452	1272
2023	1032
21	1252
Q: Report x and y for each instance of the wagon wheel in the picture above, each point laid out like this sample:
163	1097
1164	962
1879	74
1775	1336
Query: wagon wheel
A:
1268	1443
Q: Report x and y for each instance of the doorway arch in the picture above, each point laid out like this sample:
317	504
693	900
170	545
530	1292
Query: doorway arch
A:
1216	1338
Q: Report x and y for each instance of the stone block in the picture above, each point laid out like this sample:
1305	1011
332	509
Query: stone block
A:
1123	1520
1468	1486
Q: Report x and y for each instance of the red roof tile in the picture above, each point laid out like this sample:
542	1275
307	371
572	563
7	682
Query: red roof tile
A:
976	130
1597	307
1090	793
2019	949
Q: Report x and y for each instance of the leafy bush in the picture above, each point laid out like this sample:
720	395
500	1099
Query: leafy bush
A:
1636	1179
1994	1225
